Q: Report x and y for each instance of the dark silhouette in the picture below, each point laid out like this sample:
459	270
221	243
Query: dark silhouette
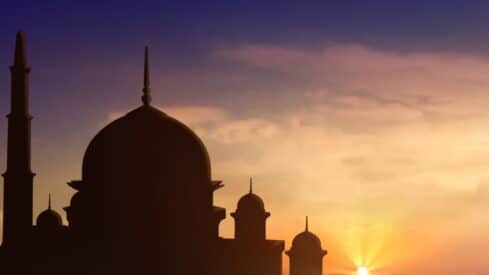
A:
18	176
306	254
250	252
144	204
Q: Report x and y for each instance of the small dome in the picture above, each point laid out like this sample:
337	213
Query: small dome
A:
306	240
251	201
49	219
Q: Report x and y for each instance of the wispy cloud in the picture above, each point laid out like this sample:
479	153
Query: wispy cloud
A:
381	149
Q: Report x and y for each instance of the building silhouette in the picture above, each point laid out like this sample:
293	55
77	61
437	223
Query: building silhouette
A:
144	203
306	254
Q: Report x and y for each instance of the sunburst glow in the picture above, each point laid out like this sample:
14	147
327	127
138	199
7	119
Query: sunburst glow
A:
362	270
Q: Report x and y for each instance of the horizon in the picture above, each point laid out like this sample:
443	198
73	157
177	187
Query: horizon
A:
371	119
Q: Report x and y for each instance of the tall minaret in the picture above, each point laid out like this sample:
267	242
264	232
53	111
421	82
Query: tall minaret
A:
18	178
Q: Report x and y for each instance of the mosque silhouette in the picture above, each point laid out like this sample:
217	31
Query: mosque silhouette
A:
144	204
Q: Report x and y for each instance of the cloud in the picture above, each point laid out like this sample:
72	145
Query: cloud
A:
197	114
382	149
435	84
375	186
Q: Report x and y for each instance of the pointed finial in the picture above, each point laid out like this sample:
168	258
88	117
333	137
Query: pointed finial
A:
307	224
20	59
251	185
146	98
49	201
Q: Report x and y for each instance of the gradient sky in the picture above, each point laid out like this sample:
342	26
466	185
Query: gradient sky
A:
371	117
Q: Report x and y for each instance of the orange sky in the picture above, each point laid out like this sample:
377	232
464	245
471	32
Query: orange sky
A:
387	153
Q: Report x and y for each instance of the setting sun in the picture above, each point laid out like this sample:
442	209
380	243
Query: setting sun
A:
362	270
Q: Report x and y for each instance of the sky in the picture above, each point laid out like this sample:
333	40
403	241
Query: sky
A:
370	117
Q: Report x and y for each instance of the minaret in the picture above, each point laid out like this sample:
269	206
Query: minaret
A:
18	177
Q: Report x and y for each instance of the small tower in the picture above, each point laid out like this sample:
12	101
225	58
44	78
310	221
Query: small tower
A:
250	218
18	177
306	254
49	220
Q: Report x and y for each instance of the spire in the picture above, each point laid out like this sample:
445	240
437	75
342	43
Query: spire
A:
19	73
146	98
251	185
49	201
307	224
20	59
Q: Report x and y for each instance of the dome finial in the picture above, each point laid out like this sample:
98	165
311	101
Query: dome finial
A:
307	224
49	201
146	98
251	185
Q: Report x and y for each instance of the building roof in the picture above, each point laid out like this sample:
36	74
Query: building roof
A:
49	218
251	201
146	143
306	240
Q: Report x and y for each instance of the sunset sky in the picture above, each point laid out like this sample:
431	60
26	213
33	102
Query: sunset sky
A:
370	117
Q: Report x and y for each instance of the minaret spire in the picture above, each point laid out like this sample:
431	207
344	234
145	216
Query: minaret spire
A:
20	58
251	185
307	224
49	201
18	177
19	79
146	98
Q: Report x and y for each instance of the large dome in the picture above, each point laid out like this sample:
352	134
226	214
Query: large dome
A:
141	169
146	184
146	142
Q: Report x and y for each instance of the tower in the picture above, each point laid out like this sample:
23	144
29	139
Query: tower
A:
18	177
250	218
49	220
253	253
306	254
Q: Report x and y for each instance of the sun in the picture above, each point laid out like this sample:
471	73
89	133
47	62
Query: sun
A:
362	270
